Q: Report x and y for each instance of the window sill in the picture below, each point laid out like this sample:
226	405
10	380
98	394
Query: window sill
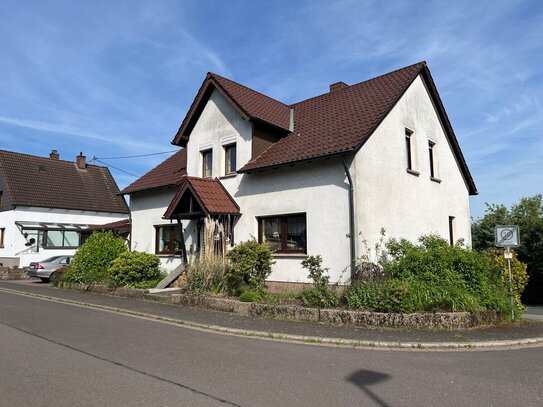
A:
436	180
168	255
233	175
290	255
412	172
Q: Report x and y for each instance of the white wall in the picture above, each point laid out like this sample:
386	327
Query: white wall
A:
219	124
404	204
14	241
147	209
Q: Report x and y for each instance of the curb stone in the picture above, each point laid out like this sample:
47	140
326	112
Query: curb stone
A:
291	338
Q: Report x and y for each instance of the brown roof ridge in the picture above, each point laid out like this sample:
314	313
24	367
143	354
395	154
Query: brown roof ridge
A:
47	158
421	63
212	74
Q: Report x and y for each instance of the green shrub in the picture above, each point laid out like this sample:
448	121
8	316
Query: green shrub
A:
132	268
380	296
250	265
434	276
250	296
206	275
320	295
93	258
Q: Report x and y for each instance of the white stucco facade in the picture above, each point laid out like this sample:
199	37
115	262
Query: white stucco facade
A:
15	250
147	209
386	195
405	204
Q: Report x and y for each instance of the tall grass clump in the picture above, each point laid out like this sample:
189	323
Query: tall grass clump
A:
206	274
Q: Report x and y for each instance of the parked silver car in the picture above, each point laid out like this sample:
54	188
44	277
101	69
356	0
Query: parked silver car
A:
43	269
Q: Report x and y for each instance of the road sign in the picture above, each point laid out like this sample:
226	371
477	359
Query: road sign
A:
507	236
508	255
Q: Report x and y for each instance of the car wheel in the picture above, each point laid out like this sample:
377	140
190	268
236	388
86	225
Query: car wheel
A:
45	279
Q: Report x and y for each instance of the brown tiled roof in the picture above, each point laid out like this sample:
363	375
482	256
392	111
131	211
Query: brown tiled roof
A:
249	103
124	223
210	195
256	104
169	172
43	182
338	121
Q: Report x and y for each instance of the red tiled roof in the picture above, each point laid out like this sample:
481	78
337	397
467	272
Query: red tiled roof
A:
47	183
338	121
249	103
169	172
210	195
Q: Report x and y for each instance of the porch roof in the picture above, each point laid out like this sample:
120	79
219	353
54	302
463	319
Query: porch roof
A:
198	197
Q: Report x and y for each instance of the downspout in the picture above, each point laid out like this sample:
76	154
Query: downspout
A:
351	216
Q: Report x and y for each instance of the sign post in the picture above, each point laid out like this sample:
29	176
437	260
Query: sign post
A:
508	236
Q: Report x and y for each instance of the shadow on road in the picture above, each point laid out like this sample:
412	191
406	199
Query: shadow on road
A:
364	378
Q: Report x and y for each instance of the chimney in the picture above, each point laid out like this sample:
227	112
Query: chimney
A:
54	155
81	161
337	86
291	122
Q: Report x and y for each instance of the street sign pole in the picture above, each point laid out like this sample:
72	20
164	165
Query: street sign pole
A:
508	236
509	255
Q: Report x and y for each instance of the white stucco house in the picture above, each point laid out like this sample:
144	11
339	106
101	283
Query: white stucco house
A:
315	177
46	203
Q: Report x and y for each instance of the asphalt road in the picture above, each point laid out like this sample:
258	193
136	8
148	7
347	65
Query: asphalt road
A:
55	354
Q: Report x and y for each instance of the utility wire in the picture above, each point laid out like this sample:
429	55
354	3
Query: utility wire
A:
118	169
134	156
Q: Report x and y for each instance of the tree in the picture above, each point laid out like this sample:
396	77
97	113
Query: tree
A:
528	215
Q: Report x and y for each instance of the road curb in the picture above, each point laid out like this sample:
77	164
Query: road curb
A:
301	339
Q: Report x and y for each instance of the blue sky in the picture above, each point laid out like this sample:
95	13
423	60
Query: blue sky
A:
115	78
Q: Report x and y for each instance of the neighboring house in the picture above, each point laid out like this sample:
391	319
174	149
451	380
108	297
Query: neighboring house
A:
45	204
317	177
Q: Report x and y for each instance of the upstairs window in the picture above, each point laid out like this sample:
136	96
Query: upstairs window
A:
284	234
431	151
230	159
207	163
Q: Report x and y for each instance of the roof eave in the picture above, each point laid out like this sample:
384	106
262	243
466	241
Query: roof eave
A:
295	162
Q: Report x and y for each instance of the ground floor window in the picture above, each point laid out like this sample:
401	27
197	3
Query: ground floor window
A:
2	231
168	240
284	233
61	239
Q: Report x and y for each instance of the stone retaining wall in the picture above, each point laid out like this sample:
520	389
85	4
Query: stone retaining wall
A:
7	273
342	317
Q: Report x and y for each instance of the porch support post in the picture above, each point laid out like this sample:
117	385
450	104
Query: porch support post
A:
183	239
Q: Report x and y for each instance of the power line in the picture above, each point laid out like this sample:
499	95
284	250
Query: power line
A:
118	169
134	156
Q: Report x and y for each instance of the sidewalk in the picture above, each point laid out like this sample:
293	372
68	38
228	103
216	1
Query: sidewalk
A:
528	333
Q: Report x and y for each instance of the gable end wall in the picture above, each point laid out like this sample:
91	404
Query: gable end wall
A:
406	205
